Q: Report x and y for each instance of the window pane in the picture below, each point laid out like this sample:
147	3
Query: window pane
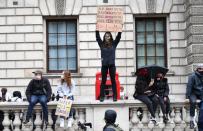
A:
52	53
62	64
140	50
159	37
52	27
62	52
140	61
52	64
159	25
140	38
71	27
150	60
150	50
150	25
61	39
160	61
61	27
71	39
71	52
140	26
72	63
52	39
160	50
150	37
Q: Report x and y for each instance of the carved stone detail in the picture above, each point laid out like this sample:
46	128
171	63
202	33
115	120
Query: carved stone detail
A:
60	7
151	6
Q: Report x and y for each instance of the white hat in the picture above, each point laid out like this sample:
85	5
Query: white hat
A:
199	66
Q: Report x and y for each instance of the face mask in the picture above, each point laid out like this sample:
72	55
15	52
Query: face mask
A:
38	77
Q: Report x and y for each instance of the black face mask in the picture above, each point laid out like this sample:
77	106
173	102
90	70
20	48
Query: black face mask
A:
201	72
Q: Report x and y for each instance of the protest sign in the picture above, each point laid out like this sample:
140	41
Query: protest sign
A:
63	107
109	18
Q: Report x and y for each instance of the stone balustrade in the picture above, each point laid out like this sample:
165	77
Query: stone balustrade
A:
93	111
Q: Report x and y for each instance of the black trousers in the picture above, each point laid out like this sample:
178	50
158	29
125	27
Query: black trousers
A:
193	99
112	72
150	101
165	105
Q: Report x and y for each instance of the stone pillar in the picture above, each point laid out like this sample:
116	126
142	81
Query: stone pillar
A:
38	121
6	122
17	121
194	33
178	120
134	120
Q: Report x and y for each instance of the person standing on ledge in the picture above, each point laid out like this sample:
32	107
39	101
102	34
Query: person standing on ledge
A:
108	49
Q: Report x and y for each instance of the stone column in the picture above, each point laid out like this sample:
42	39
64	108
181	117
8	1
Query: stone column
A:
194	33
6	122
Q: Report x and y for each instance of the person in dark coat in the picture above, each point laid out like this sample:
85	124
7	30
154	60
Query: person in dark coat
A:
145	93
38	90
161	90
108	49
194	91
110	119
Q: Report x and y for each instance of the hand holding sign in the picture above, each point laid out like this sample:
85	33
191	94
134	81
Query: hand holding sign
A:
109	19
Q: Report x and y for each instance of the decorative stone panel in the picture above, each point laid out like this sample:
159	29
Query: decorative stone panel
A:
151	6
195	39
60	8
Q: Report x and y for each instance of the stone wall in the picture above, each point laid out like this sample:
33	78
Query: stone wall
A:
23	40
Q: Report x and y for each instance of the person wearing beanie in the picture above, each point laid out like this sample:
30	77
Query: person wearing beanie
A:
194	91
110	119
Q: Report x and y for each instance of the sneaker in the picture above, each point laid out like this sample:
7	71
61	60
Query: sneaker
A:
165	119
152	119
62	122
192	125
26	121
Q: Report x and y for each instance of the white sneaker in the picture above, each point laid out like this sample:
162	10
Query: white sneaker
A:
153	120
70	122
62	122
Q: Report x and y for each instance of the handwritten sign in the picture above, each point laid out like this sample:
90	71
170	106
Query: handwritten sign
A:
63	107
109	18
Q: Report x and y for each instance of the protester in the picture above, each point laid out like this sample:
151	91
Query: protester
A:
66	90
161	89
144	92
110	119
38	90
108	49
194	91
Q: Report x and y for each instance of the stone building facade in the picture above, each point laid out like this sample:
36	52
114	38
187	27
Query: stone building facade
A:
24	36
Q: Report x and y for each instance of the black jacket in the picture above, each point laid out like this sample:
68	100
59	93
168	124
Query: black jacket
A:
161	87
141	85
195	85
108	54
39	87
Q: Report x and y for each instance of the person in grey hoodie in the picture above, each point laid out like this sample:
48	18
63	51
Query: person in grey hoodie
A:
108	49
195	91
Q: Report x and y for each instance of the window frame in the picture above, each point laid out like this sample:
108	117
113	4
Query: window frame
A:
146	18
47	43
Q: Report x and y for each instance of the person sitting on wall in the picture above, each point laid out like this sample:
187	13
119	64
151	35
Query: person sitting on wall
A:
38	90
194	91
145	93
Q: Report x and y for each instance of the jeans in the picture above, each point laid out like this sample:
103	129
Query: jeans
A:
193	99
165	105
42	99
112	72
151	103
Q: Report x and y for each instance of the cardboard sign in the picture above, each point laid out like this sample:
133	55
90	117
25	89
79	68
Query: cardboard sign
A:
63	107
109	18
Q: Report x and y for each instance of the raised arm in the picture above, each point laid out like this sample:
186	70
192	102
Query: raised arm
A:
98	38
118	37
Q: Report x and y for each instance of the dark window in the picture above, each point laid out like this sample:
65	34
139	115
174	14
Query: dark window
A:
62	45
151	41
